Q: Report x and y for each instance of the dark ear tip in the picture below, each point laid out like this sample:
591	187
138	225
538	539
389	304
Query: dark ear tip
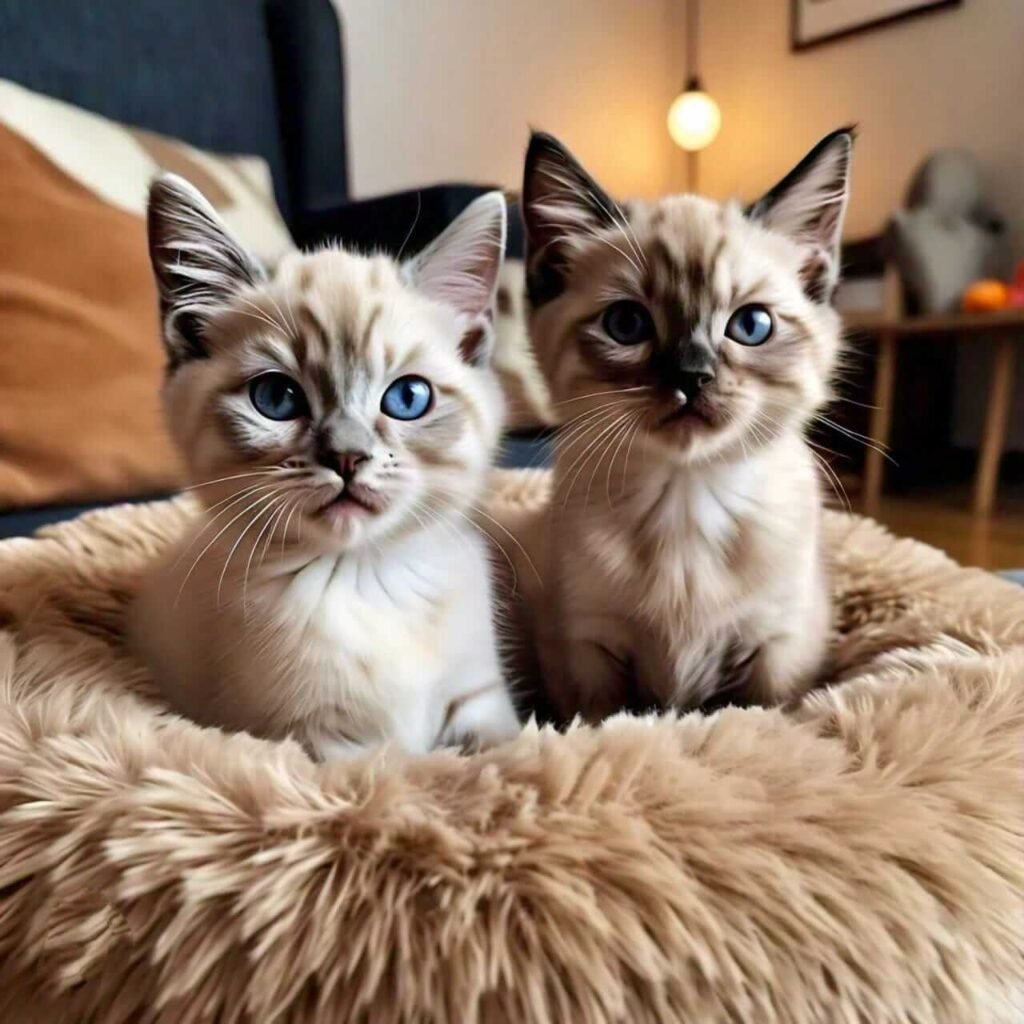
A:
167	191
543	144
847	134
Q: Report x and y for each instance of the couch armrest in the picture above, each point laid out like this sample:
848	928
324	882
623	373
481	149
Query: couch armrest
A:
404	221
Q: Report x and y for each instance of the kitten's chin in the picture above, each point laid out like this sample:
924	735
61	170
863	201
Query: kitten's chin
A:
353	504
354	516
689	431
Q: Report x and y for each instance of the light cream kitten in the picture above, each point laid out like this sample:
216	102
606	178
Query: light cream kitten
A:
687	344
339	421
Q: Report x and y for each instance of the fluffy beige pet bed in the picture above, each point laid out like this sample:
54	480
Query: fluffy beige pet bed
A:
857	859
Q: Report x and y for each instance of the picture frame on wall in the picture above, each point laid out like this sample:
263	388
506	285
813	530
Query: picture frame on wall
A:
813	22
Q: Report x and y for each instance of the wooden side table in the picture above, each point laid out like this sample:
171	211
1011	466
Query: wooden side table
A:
1006	326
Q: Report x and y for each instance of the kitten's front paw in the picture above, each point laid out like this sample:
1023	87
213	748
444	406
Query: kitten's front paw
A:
485	738
483	719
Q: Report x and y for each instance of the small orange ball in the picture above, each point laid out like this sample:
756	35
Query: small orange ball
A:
983	296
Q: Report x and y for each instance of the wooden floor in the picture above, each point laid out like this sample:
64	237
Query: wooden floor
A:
943	519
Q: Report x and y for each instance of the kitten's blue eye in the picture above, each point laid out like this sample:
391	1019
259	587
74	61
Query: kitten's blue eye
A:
750	325
628	323
408	398
278	397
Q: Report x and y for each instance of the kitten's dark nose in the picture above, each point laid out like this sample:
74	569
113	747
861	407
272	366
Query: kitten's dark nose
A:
695	369
691	384
345	464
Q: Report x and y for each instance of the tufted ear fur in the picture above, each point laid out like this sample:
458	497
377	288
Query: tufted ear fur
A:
808	205
560	200
197	262
460	268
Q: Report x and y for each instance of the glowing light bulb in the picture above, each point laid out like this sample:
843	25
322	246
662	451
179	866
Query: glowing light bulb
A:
694	120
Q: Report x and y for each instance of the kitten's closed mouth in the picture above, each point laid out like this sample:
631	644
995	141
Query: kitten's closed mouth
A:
688	413
355	498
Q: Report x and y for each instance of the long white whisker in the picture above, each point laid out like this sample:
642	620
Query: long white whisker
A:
251	505
288	521
566	427
835	483
604	394
238	540
229	502
563	442
586	456
586	418
274	509
621	424
492	541
867	442
257	313
529	561
412	227
585	437
638	428
269	471
289	317
277	520
623	434
441	521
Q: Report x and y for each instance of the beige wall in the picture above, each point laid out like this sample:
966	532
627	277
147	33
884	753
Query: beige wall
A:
954	77
447	89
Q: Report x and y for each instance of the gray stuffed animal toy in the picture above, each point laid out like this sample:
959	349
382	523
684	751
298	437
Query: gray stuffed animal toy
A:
947	237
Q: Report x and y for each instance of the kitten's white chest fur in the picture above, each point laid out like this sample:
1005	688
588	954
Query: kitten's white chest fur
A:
387	634
342	652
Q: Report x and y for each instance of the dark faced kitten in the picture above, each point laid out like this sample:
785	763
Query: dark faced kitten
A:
687	344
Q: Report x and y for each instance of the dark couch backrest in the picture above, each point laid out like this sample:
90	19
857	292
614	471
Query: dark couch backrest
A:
237	76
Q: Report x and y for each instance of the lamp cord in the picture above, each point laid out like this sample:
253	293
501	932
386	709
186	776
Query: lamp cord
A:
692	32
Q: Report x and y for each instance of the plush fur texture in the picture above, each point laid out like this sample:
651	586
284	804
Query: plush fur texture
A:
857	858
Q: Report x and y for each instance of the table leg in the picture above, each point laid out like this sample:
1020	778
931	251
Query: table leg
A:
1000	391
881	421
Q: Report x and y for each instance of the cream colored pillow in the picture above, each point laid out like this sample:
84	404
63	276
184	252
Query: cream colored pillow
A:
117	163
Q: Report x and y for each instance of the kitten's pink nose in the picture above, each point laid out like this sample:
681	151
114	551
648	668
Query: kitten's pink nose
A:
345	464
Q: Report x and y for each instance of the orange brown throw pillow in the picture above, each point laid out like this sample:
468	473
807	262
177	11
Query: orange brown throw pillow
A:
80	361
79	364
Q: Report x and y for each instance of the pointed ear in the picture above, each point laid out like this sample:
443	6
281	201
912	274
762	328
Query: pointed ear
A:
560	200
198	265
460	268
808	206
